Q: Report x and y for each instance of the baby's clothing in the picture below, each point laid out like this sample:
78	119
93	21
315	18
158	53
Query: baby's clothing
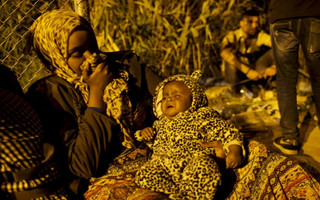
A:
179	165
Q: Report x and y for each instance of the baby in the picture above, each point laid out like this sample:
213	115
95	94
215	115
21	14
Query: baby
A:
180	166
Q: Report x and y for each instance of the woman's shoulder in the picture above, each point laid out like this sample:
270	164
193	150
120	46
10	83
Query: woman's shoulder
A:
56	90
55	80
50	84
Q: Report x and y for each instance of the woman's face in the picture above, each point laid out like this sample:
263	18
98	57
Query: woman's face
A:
80	47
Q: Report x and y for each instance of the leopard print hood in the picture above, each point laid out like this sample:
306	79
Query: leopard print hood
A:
199	98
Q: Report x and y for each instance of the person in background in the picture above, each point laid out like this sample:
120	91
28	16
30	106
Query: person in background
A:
246	54
180	166
93	101
27	168
294	23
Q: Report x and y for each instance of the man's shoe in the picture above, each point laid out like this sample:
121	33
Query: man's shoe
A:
289	147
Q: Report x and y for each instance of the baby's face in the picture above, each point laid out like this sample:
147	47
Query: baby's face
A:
177	98
80	47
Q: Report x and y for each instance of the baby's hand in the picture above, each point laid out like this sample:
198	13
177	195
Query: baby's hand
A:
218	148
147	133
234	157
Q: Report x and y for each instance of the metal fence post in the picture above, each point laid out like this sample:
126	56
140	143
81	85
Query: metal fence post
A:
82	8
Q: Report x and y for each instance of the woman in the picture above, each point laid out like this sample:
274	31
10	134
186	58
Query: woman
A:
93	101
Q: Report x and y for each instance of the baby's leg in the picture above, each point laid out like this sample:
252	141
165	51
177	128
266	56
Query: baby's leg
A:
153	176
200	178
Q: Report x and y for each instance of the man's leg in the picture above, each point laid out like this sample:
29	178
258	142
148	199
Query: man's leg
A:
285	49
310	42
264	61
233	76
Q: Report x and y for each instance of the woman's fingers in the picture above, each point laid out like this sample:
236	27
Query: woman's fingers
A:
85	70
102	67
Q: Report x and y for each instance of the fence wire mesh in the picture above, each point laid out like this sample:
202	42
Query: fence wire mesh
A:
15	18
170	36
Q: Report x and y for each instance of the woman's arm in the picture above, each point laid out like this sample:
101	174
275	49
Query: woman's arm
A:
85	138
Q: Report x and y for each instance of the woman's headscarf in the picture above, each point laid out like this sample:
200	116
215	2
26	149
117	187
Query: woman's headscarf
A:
49	35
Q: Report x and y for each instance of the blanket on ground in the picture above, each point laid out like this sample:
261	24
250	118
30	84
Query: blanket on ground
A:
264	175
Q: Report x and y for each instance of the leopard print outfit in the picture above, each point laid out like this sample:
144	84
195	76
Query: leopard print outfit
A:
179	165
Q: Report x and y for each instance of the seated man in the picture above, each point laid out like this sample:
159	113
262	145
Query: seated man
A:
246	53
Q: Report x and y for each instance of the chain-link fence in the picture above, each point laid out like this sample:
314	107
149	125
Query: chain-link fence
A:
170	36
15	18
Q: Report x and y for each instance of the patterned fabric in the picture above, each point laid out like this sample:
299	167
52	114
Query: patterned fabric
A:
203	125
202	120
115	96
21	148
118	183
179	165
21	145
268	175
264	175
49	36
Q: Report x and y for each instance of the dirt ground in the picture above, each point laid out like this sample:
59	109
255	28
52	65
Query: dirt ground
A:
308	159
258	118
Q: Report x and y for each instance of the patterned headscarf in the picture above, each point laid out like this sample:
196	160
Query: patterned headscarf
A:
49	36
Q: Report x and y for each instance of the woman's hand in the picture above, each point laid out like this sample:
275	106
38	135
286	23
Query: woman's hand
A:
97	81
147	133
99	78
